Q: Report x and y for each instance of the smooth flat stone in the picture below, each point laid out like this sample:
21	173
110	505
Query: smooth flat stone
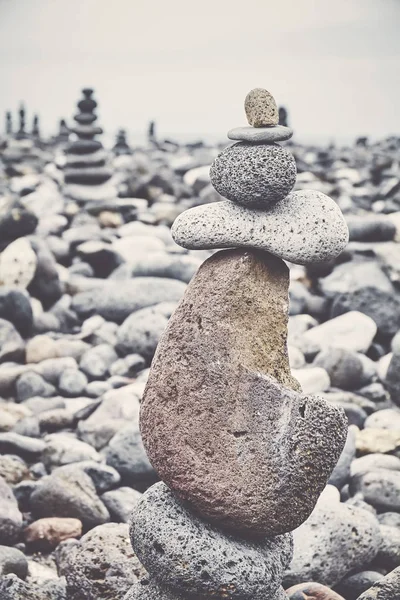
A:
87	175
257	135
254	175
222	366
306	227
261	109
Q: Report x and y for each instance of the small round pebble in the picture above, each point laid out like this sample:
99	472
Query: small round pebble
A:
261	109
254	175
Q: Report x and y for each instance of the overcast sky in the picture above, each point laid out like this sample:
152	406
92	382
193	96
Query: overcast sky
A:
189	64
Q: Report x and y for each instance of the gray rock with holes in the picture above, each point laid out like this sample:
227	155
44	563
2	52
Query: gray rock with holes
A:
335	540
306	227
254	174
185	553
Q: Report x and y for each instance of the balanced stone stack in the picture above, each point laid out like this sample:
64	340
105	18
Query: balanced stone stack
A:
242	452
121	146
86	175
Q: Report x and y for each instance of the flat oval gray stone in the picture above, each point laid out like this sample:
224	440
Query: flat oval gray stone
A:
254	174
306	227
185	553
257	135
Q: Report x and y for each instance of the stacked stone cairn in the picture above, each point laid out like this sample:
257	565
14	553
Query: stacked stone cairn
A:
121	146
242	452
86	175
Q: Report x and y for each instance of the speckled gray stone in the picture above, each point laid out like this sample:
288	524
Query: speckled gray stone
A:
185	553
255	175
261	109
257	135
149	590
306	227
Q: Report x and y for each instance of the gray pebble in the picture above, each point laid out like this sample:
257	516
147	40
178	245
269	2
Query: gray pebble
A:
257	135
351	587
185	553
120	503
13	561
381	489
95	363
294	229
335	540
10	516
31	384
68	494
72	383
125	452
254	175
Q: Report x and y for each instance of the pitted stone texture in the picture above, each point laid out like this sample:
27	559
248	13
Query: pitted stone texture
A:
337	539
261	109
149	590
257	135
306	227
185	553
254	175
384	589
219	368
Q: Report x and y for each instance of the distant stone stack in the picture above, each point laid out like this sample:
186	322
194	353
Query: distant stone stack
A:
86	176
121	146
35	127
21	133
63	134
243	454
9	127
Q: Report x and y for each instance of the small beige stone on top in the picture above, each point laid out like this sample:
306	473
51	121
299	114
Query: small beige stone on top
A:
261	109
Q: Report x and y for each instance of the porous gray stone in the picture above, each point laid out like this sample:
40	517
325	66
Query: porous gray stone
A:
102	565
185	553
335	540
254	175
381	489
384	589
304	228
261	109
257	135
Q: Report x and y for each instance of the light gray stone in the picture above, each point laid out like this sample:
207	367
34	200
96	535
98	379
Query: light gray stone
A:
257	135
304	228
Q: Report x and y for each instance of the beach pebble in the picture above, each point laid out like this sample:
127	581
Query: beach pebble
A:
254	175
187	554
101	564
335	540
10	516
257	135
351	331
261	109
47	533
293	229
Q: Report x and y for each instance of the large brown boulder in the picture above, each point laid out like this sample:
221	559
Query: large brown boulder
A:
222	419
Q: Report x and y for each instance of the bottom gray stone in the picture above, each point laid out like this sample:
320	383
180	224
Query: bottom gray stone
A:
185	553
145	590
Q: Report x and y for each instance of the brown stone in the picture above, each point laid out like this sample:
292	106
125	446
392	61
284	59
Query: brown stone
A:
49	532
219	421
261	109
312	591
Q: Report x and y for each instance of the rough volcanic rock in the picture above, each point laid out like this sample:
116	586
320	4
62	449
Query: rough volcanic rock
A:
102	565
254	175
384	589
261	109
335	540
185	553
221	366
